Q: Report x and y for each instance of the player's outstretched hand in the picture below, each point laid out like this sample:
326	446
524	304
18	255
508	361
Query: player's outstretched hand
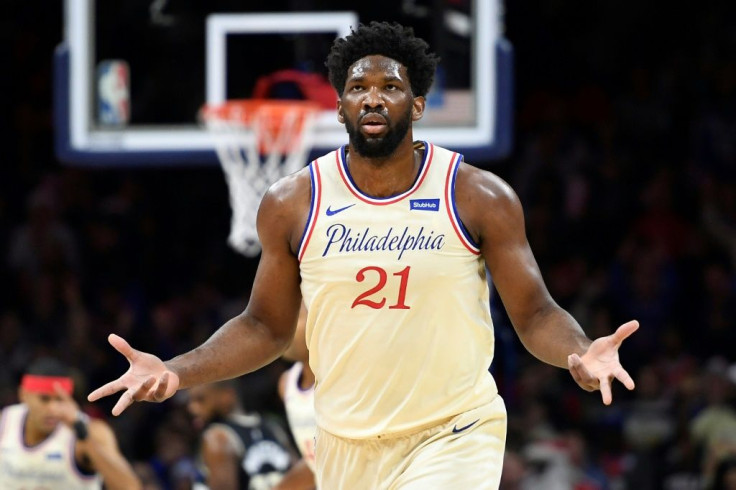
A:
595	369
147	378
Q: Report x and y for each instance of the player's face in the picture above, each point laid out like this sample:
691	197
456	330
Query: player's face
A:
378	106
44	411
202	405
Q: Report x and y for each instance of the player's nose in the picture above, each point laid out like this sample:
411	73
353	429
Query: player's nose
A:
372	98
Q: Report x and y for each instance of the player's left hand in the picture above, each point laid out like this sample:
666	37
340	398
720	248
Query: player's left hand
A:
599	365
68	408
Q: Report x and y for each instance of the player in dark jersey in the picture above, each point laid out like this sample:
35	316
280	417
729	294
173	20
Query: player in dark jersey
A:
238	450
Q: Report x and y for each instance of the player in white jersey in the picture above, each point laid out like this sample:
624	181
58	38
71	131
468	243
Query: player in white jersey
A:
296	388
387	241
46	443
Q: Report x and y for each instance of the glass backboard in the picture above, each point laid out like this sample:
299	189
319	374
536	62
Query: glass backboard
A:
131	76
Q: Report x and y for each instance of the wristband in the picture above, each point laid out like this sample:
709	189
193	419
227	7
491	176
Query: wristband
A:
80	427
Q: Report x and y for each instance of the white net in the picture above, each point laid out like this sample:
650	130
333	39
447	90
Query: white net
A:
257	144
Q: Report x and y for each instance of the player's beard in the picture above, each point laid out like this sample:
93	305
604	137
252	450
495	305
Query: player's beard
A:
379	146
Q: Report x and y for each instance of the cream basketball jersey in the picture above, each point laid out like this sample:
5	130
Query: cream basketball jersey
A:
299	405
399	328
49	465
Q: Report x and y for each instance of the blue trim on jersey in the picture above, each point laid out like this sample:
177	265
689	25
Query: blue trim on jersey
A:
311	208
344	162
454	206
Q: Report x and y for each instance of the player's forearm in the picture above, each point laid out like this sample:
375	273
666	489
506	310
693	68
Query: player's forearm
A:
551	334
240	346
110	464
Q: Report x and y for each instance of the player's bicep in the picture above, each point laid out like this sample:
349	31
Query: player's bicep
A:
276	296
498	219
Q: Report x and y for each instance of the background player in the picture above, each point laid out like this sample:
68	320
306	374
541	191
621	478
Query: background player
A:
47	442
238	450
296	388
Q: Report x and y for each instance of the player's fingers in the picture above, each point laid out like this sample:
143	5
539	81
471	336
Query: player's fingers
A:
580	374
605	387
106	390
625	330
163	384
122	346
125	400
625	379
142	393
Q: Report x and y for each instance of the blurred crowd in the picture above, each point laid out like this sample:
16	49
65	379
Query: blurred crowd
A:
625	162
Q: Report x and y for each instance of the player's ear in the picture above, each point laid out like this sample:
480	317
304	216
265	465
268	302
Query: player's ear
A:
21	395
417	110
340	114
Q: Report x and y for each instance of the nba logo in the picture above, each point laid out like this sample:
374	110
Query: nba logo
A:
113	94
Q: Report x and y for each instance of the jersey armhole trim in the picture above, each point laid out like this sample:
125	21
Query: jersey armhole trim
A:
455	220
314	206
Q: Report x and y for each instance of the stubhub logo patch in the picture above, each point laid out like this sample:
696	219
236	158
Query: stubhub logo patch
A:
424	204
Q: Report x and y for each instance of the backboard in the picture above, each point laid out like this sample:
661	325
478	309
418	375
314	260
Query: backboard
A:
131	76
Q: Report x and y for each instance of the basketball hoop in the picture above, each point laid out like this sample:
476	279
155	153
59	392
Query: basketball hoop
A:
258	141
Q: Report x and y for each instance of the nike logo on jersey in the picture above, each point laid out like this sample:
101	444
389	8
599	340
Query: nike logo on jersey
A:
460	429
331	211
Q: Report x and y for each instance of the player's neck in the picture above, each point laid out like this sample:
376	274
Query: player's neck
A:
388	176
33	437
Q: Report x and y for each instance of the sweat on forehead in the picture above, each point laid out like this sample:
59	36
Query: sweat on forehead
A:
390	66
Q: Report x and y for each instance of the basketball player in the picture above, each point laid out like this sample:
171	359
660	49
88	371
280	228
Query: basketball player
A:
296	388
238	450
47	443
386	239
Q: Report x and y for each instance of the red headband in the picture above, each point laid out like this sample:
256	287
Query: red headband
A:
46	384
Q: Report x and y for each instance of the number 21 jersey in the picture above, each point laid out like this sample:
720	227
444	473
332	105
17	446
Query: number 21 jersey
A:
399	328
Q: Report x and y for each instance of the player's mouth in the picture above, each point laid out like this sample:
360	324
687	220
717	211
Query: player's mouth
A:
373	124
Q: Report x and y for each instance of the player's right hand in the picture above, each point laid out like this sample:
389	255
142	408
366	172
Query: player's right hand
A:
147	378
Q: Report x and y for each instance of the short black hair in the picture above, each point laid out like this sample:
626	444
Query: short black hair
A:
49	366
387	39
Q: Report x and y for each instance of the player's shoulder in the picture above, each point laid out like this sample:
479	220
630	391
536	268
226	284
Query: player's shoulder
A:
484	186
290	187
101	430
17	409
487	204
285	206
219	438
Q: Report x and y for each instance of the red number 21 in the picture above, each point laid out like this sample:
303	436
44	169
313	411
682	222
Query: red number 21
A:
362	299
